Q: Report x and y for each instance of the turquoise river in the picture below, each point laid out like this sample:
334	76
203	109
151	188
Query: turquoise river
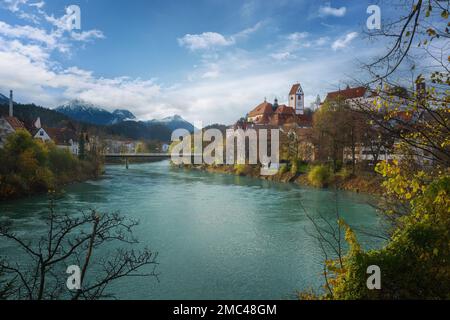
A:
217	236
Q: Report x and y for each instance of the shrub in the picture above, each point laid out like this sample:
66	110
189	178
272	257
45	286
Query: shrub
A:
303	167
320	176
344	173
283	169
299	167
61	160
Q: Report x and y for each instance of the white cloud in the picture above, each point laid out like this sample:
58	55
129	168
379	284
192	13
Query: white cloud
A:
33	52
297	36
31	74
214	40
14	5
281	56
59	35
247	32
344	41
38	5
87	35
206	40
327	10
292	45
28	32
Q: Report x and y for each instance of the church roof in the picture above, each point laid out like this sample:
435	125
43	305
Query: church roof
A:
264	108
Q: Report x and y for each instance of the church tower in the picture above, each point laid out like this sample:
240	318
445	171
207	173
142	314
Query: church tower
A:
297	99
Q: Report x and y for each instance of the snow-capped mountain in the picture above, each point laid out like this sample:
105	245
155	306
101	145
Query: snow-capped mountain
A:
173	123
90	113
123	115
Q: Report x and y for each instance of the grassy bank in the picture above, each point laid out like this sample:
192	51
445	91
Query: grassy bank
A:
318	176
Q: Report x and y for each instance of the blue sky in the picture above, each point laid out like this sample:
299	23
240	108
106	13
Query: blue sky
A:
209	60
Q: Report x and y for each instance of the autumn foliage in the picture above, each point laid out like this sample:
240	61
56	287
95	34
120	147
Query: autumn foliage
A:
30	166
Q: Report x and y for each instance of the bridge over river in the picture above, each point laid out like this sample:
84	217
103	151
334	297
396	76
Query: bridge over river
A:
150	156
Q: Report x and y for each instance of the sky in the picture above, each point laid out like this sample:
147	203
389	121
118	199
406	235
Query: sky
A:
207	60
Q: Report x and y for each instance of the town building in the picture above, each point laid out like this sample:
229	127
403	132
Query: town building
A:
9	124
63	138
278	115
38	132
397	99
352	96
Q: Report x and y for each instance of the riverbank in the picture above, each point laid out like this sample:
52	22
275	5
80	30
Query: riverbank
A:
365	182
11	189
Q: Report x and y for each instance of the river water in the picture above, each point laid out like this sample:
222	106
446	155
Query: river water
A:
217	236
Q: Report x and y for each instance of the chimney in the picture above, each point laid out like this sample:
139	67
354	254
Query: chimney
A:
11	113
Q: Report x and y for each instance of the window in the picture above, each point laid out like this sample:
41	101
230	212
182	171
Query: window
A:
41	133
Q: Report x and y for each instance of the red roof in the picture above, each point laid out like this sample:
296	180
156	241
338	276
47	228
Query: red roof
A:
349	93
263	120
264	108
285	110
61	136
15	123
294	89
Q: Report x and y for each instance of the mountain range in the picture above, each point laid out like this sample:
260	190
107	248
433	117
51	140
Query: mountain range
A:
97	120
89	113
92	114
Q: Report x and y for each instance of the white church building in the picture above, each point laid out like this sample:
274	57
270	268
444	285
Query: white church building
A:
297	99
